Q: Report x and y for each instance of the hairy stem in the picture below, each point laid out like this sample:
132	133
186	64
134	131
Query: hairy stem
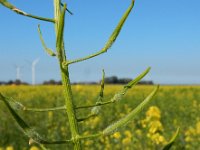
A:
70	109
44	109
18	11
111	39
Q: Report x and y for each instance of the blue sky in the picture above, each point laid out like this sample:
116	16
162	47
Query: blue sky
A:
162	34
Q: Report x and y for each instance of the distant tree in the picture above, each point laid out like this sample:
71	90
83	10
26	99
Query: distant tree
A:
115	80
17	82
146	82
124	80
111	80
52	82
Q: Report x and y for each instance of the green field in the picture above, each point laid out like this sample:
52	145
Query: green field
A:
173	106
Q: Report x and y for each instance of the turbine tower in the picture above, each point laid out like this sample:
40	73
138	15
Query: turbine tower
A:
33	70
18	72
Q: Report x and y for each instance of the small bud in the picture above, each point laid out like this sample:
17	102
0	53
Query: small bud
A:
31	141
95	110
117	97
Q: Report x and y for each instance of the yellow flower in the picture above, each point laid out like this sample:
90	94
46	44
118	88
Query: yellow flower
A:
190	131
155	126
157	138
128	134
88	142
138	132
50	114
144	123
117	135
9	148
126	141
34	148
78	87
161	139
188	139
198	127
96	120
153	112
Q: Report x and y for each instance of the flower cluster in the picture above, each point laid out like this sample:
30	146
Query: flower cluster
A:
154	126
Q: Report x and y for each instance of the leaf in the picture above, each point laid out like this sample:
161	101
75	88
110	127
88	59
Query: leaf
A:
32	134
172	141
131	115
49	51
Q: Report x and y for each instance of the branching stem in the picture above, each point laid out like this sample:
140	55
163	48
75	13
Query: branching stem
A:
59	28
98	104
110	41
45	109
18	11
86	118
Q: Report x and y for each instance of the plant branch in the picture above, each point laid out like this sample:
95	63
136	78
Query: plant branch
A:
122	122
31	133
118	96
110	41
59	28
18	11
96	110
49	51
45	109
90	136
95	105
86	118
71	13
19	106
60	33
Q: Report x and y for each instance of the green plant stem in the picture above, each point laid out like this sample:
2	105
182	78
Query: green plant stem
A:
44	109
34	137
67	9
110	41
91	136
86	118
18	11
98	104
48	51
70	109
118	95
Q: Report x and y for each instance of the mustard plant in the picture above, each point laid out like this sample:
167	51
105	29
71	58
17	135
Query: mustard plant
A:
70	107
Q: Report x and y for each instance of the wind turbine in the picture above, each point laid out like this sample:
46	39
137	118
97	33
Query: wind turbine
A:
34	62
18	72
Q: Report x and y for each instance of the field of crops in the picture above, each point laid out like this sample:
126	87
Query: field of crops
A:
173	106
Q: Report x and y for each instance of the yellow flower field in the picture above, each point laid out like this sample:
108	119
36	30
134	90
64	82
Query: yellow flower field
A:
173	106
